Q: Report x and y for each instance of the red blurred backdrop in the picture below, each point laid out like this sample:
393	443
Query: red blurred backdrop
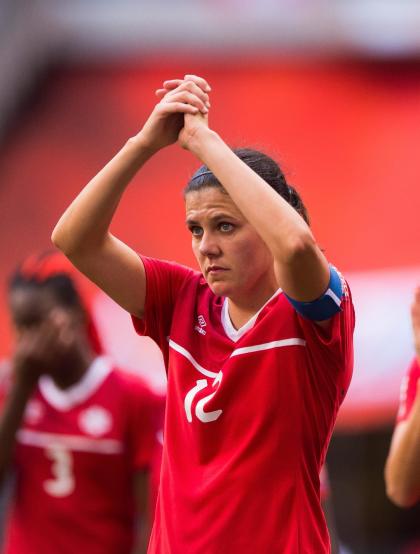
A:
345	132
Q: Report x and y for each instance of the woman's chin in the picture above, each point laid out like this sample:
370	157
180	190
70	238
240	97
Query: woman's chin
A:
218	288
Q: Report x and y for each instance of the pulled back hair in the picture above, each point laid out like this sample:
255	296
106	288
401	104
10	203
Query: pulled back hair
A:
38	273
264	166
60	286
51	271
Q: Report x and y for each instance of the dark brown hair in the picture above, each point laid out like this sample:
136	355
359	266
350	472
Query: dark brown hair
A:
265	167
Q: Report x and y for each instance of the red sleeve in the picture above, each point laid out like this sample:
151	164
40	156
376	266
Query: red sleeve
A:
336	342
145	422
163	281
408	391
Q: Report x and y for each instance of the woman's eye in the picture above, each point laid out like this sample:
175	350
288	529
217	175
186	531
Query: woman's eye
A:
196	231
226	227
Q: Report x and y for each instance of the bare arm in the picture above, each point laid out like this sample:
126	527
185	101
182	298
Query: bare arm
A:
301	268
141	495
328	510
83	234
34	350
10	422
402	469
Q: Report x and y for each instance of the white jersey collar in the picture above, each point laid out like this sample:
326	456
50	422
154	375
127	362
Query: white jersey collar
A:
64	400
236	334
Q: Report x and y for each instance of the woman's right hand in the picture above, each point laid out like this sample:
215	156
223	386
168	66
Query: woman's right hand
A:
39	350
167	119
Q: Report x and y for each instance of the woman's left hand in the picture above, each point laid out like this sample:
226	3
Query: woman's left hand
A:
194	124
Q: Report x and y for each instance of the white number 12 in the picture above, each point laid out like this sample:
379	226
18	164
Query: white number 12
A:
205	417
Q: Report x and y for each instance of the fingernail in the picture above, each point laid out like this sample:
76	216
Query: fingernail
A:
208	88
208	104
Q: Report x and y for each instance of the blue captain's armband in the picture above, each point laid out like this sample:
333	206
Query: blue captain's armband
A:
326	305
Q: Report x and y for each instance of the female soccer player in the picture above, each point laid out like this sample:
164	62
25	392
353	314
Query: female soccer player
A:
257	345
79	434
402	470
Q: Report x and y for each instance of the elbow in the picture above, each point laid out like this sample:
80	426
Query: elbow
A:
300	247
401	497
55	239
64	243
58	242
398	492
75	248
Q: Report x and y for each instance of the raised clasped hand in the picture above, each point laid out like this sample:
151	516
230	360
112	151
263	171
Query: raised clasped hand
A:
182	110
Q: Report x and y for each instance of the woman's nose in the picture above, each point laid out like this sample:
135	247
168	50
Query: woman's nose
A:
208	245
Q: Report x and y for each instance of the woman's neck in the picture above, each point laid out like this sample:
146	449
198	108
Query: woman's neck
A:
74	368
242	310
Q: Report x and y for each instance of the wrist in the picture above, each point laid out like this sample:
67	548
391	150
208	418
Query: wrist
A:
201	141
141	146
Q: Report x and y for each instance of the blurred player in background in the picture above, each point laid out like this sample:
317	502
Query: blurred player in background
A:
402	470
258	345
79	434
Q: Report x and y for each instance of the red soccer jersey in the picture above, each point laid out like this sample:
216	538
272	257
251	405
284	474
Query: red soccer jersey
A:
248	420
408	391
76	455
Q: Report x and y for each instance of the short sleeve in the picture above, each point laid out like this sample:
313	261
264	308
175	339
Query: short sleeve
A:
163	282
408	391
145	423
336	342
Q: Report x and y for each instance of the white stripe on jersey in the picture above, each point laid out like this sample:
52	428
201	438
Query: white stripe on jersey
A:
332	295
237	352
72	442
268	346
186	354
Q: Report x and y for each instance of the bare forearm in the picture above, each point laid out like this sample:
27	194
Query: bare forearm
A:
266	210
10	422
141	541
301	268
402	471
143	527
85	223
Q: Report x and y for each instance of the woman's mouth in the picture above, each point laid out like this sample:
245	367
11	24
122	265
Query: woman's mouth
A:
215	269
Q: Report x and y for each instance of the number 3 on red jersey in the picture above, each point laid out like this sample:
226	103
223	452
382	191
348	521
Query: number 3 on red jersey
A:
63	482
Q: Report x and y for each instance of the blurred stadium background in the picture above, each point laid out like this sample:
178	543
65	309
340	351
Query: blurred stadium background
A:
329	88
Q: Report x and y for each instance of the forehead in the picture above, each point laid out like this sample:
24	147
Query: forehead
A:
208	202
